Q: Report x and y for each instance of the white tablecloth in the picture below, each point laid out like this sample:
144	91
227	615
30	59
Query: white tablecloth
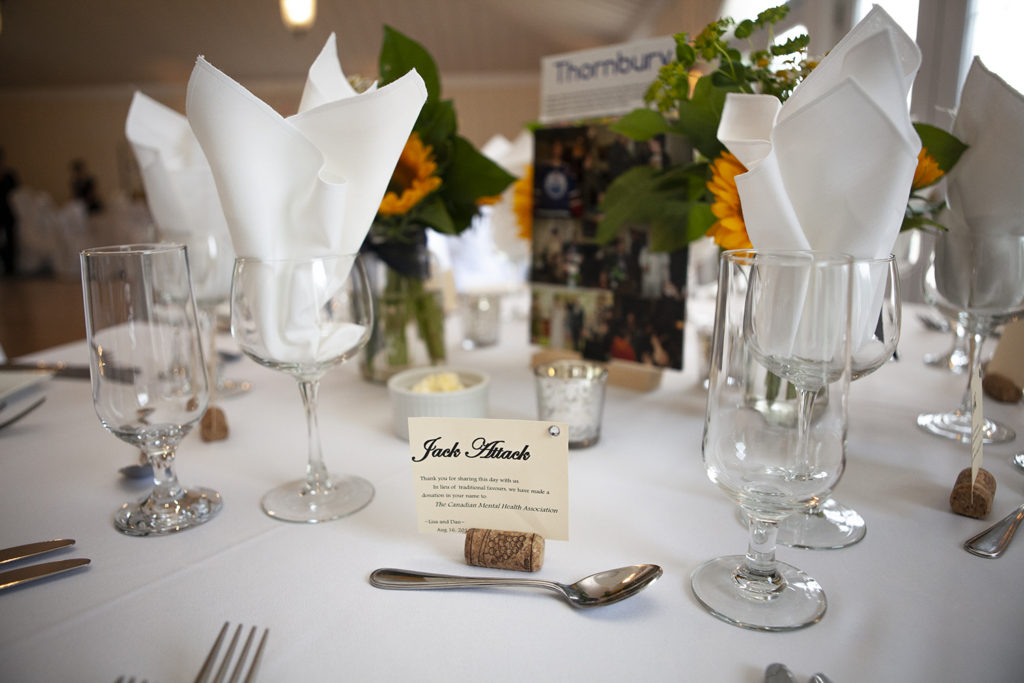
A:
907	603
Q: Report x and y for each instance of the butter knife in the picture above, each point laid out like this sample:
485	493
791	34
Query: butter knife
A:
20	552
117	373
14	577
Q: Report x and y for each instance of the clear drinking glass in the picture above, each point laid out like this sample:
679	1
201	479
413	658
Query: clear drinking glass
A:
828	524
211	260
976	278
789	312
149	380
304	317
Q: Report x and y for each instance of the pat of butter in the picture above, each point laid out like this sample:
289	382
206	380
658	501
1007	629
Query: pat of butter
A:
438	383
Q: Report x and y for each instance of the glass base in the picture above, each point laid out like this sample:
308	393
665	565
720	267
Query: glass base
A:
797	601
148	518
828	526
296	502
953	361
957	426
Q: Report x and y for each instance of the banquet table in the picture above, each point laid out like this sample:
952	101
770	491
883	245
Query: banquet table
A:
905	604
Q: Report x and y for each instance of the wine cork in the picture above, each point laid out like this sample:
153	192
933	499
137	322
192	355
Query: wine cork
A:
976	503
1001	388
214	425
517	550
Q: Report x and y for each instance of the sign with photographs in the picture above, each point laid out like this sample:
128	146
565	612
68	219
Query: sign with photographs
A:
619	300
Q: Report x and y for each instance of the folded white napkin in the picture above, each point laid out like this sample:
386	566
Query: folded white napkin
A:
979	264
304	186
181	194
310	184
986	187
831	168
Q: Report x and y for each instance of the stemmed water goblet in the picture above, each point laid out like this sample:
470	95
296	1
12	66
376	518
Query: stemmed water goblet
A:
149	380
787	315
976	278
304	317
828	524
211	260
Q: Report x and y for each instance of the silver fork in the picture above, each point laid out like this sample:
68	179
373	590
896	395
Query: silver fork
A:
211	659
17	416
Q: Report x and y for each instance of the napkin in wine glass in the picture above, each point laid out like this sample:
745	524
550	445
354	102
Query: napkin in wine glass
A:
304	186
979	264
180	192
831	168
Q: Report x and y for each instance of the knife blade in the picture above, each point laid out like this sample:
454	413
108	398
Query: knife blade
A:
58	369
20	552
14	577
117	373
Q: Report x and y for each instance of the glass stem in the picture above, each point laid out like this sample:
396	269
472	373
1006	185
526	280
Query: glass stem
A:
974	343
208	331
317	480
166	488
758	576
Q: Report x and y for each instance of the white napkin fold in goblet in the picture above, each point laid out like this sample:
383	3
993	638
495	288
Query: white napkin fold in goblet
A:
308	185
979	265
181	193
831	168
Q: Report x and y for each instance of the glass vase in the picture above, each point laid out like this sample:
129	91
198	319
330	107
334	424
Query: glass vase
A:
408	328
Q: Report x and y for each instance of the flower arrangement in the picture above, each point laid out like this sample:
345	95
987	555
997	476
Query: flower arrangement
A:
698	196
441	179
440	182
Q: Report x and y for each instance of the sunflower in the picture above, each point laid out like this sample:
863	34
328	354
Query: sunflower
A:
729	231
522	203
413	179
927	171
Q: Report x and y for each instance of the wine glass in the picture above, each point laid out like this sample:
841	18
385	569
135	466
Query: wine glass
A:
149	380
976	278
790	314
211	260
828	524
304	317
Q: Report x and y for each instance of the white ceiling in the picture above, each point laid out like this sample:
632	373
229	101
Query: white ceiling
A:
72	43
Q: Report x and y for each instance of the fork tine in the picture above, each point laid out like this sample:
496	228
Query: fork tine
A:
227	656
251	676
225	664
241	657
212	657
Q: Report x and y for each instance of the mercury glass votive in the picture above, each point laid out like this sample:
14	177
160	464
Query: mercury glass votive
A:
481	319
572	391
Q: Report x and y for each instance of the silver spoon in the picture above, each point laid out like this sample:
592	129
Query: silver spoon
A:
993	541
1018	461
596	590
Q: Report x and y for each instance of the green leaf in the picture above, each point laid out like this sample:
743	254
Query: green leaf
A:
400	54
945	147
744	29
472	175
641	124
699	117
436	125
919	221
792	45
432	212
627	199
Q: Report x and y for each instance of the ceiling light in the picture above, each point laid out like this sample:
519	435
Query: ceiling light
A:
298	15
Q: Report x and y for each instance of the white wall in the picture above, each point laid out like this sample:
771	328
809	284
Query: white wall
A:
42	130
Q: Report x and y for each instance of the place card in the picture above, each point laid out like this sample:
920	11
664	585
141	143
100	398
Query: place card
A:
490	474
